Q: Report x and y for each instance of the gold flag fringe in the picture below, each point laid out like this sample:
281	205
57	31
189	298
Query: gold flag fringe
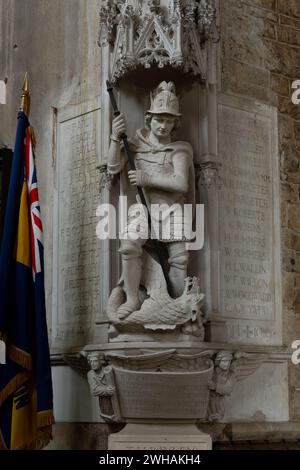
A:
19	356
45	418
42	439
13	385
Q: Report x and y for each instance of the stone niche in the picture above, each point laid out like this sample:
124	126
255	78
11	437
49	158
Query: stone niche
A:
86	269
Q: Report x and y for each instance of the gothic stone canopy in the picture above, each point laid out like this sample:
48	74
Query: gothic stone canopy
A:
172	33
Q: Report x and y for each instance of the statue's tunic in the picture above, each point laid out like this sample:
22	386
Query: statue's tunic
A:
157	161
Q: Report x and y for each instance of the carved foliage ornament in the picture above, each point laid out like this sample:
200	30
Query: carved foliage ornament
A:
209	175
174	33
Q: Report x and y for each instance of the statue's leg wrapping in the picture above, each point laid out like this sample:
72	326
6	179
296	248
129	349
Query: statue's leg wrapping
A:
131	252
178	261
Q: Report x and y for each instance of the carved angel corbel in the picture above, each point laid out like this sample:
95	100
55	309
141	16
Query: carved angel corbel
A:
229	369
100	385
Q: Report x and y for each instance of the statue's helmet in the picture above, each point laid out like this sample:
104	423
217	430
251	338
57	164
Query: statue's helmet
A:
164	100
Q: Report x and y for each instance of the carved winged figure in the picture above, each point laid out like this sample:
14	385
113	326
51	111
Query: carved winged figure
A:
99	387
229	369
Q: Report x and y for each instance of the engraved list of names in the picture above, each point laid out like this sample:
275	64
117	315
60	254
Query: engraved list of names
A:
249	224
77	247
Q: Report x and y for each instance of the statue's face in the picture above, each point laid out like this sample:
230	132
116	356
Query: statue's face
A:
224	364
95	362
162	125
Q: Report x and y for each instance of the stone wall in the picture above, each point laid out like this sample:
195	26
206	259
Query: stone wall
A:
55	41
260	54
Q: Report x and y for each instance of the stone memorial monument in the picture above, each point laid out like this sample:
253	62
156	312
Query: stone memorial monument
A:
165	340
178	339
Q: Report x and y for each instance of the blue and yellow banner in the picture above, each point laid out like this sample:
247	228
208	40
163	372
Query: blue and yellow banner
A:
26	402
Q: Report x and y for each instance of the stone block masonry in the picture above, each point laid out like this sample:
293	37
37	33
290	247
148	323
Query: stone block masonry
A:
261	59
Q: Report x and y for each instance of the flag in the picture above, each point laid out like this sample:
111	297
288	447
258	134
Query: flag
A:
26	402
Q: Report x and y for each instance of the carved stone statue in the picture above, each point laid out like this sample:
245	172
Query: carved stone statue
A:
222	385
98	385
229	369
165	171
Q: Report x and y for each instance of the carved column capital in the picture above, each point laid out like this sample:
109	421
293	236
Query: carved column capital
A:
208	174
105	178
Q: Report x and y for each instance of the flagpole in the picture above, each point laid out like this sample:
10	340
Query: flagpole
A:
25	100
25	107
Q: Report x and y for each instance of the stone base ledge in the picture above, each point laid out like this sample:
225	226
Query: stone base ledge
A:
160	437
235	432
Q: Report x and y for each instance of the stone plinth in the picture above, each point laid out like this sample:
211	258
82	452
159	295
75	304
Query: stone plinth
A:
160	437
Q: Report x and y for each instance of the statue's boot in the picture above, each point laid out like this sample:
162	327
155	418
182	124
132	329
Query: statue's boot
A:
132	271
177	277
178	270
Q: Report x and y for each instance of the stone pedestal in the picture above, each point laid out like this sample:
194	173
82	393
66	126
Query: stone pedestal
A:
160	437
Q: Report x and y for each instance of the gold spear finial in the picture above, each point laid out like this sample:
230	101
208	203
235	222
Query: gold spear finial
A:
25	101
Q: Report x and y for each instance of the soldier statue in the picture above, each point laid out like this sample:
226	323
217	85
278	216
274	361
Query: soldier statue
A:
165	171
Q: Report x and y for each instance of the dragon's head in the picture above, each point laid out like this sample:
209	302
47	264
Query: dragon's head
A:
191	298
